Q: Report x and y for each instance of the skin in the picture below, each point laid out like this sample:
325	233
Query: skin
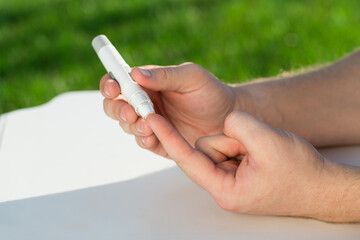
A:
254	168
322	106
200	111
187	95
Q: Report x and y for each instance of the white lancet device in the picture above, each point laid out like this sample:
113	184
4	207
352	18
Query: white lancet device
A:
120	72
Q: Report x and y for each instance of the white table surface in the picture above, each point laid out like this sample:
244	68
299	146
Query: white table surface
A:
69	172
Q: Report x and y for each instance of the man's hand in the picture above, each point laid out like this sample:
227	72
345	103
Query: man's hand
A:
254	168
191	98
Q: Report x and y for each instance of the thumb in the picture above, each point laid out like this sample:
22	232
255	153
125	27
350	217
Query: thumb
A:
170	78
251	132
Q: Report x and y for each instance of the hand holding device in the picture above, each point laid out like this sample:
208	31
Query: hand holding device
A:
190	97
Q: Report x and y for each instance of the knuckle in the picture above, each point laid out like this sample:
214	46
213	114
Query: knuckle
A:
147	130
285	138
152	142
198	71
199	143
232	119
194	68
131	116
235	115
134	129
116	109
122	124
165	73
289	136
125	127
191	65
146	142
139	141
203	142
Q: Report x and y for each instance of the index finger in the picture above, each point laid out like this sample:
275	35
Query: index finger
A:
109	88
194	163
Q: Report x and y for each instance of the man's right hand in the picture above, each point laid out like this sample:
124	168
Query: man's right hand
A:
257	169
187	95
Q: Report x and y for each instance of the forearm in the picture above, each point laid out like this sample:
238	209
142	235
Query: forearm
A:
322	106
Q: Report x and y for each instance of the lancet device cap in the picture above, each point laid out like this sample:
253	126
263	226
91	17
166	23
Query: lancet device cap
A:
100	41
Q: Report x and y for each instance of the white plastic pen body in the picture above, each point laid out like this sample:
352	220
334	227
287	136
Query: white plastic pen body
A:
120	72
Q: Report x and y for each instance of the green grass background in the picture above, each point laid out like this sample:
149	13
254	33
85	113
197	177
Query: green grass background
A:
45	45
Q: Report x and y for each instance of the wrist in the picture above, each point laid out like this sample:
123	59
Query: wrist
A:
337	196
255	98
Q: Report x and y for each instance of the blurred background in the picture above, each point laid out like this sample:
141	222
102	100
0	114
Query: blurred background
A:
45	45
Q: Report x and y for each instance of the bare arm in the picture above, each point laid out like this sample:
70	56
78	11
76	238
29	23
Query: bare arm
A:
322	106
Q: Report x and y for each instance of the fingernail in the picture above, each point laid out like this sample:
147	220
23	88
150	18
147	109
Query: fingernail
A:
143	141
140	128
122	116
145	72
106	92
